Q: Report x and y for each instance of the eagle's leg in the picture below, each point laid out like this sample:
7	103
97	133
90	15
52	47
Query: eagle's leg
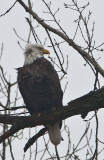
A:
39	114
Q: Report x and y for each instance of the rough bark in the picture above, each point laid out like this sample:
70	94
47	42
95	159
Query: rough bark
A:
89	102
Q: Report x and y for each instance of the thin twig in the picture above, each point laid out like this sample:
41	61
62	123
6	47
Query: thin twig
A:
8	9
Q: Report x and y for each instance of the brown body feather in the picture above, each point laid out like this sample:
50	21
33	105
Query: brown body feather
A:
41	90
40	86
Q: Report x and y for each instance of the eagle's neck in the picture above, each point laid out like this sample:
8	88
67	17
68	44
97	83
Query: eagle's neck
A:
31	58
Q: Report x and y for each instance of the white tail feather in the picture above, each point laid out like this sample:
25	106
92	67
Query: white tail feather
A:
54	133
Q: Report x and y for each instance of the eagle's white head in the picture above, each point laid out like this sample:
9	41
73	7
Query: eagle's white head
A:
33	52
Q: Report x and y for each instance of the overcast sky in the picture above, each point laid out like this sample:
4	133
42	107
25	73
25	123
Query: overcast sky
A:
80	79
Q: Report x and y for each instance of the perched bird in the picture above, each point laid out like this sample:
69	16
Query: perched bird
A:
40	87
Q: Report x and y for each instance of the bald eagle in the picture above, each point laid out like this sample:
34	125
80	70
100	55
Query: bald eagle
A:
40	87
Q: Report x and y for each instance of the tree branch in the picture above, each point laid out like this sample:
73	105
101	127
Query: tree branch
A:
34	138
65	37
8	9
89	102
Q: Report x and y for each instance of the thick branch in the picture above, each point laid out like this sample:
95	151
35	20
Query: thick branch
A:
89	102
65	37
34	138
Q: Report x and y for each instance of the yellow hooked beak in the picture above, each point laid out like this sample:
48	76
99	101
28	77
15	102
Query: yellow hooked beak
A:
45	51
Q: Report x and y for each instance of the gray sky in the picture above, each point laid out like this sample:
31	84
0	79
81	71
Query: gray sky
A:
80	79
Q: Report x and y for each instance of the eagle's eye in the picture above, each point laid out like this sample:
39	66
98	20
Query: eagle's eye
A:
39	47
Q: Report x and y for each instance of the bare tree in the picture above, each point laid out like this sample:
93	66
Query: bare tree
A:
14	118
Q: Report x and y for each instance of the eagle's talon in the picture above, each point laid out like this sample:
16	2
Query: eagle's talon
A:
39	114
